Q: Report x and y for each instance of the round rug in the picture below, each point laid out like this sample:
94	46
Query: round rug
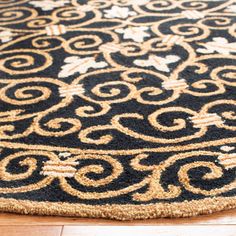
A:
121	109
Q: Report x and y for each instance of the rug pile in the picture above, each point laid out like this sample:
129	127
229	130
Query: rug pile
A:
121	109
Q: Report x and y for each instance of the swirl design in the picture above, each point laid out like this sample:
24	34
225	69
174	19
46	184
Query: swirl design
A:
117	102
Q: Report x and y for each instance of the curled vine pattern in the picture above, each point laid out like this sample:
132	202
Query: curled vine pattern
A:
119	99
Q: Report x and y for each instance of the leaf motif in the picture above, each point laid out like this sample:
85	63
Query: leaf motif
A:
75	64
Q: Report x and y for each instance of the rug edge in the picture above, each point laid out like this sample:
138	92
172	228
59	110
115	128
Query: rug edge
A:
119	212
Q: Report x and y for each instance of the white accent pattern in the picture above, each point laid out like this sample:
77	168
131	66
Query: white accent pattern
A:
6	36
137	34
76	64
71	90
174	84
55	30
220	45
231	8
228	160
205	120
193	14
160	63
227	148
47	5
119	12
59	168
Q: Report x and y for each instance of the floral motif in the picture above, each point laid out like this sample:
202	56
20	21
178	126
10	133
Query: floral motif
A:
119	12
47	5
76	64
135	33
220	45
160	63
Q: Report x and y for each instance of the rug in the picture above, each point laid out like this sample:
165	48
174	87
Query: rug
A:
120	109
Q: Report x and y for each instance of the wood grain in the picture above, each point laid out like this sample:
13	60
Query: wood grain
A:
30	230
220	218
149	231
222	223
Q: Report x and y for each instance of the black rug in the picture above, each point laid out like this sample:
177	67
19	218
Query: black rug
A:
122	109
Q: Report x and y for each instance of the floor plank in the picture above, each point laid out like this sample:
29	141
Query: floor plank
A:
30	230
149	231
220	218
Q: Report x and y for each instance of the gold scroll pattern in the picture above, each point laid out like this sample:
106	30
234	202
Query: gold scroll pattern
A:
67	168
141	51
64	28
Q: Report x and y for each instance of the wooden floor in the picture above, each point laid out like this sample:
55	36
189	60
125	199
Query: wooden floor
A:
219	224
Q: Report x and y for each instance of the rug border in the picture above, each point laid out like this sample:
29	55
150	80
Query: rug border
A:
116	211
119	212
